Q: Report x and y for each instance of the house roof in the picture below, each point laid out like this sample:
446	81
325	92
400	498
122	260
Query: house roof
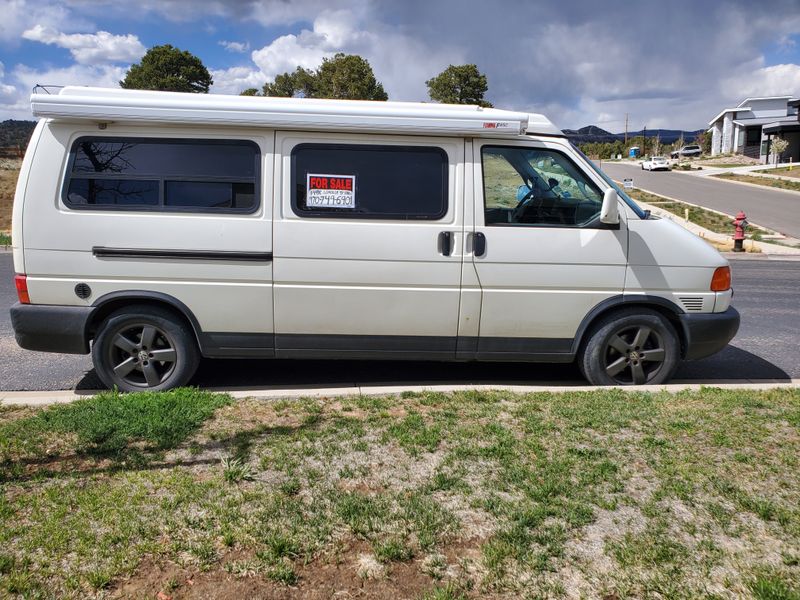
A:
748	100
727	110
118	105
743	105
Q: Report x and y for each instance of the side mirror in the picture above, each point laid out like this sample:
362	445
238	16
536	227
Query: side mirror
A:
609	213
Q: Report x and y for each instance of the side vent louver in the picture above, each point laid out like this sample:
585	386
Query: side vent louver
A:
692	304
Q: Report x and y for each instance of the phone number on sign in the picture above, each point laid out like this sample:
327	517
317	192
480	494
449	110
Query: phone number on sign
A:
329	199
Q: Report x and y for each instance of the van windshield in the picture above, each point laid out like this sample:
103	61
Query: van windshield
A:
642	214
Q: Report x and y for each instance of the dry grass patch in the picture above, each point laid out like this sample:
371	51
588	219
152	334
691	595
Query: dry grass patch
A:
781	184
463	495
9	171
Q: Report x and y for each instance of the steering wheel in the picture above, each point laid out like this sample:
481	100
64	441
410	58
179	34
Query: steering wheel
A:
521	206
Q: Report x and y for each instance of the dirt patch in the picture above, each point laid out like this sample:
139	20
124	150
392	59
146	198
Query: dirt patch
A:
352	572
736	159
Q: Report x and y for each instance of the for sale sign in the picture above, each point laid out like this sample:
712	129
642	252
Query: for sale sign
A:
331	191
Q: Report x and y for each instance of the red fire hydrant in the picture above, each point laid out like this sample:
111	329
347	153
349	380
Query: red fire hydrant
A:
740	223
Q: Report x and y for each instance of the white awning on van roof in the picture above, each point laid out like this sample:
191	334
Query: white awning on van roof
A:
118	105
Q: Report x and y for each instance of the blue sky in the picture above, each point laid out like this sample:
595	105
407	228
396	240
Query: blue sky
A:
665	64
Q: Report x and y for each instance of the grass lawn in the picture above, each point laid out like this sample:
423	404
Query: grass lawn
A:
464	495
709	219
783	171
765	181
724	165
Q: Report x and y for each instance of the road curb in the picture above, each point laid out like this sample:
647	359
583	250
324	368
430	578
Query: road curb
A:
41	398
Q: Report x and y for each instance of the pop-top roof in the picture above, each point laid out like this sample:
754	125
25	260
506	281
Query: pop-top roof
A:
118	105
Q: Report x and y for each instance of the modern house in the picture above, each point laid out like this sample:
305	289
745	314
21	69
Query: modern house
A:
750	127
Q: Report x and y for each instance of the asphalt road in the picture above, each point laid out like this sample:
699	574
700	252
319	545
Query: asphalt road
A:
767	347
771	208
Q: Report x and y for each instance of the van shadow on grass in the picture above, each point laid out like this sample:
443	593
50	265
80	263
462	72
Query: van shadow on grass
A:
86	462
121	432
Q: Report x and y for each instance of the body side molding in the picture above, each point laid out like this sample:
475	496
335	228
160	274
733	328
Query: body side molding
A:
105	252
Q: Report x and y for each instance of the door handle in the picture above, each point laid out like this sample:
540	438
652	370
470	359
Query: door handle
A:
446	242
479	244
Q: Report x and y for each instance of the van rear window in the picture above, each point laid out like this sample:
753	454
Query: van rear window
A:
369	182
176	175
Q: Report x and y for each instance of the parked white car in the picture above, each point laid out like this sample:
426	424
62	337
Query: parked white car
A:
656	163
155	228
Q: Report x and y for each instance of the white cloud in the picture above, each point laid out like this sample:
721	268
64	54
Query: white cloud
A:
90	75
20	15
401	62
90	48
7	92
777	80
25	78
235	46
236	79
286	53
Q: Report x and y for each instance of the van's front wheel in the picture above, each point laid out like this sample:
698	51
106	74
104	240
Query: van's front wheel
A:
144	348
631	347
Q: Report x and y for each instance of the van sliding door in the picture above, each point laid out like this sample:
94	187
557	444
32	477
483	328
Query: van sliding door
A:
368	233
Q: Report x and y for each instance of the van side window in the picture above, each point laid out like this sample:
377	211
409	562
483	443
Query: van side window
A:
175	175
369	182
536	186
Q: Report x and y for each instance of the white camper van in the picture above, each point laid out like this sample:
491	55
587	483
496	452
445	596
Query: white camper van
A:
153	228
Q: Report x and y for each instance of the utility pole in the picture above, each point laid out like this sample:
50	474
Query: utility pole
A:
626	132
644	142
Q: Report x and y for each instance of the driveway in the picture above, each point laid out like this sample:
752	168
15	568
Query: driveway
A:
766	347
771	208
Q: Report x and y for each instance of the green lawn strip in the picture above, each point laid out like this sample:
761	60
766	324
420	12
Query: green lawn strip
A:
698	215
633	494
782	171
712	165
764	181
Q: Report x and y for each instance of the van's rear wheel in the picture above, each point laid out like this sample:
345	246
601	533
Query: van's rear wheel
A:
631	347
144	348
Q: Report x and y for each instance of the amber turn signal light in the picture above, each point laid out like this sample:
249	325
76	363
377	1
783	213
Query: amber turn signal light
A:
21	283
721	281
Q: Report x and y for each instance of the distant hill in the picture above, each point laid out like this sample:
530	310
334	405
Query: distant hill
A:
15	133
593	133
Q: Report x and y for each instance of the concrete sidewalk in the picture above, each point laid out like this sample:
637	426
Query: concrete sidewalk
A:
48	398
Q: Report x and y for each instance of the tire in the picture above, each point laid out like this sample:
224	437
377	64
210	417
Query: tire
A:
635	346
129	342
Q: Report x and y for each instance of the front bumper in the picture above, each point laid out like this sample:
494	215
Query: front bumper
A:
708	333
51	328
